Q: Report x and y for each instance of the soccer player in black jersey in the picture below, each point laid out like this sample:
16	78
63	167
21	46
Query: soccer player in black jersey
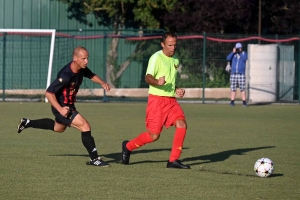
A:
62	95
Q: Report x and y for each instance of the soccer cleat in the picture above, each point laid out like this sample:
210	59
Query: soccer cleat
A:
98	162
245	104
231	104
22	124
177	164
125	153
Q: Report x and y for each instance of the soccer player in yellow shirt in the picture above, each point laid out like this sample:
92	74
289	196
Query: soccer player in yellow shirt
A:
162	108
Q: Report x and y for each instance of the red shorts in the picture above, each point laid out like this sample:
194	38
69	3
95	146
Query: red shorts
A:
162	111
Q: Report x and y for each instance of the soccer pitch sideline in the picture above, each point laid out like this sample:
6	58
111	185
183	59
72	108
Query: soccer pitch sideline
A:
222	145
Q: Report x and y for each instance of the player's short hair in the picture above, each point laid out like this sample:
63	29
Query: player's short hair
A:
78	49
168	34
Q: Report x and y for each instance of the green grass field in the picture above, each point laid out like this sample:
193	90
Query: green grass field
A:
222	145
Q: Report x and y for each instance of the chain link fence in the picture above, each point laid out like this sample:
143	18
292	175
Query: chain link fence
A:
121	59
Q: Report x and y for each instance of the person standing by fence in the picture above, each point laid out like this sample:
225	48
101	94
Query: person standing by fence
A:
238	59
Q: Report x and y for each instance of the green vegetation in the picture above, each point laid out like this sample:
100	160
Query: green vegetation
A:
222	145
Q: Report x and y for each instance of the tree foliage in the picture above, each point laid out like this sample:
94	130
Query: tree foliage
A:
192	16
234	16
118	15
188	17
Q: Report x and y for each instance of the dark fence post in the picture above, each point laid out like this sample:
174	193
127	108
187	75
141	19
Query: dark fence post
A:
3	69
203	67
298	71
104	63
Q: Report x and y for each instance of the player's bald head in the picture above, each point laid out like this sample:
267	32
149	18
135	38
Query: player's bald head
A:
78	50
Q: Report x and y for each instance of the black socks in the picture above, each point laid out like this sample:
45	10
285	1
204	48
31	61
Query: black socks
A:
47	124
89	143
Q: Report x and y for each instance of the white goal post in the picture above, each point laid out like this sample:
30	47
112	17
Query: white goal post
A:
39	32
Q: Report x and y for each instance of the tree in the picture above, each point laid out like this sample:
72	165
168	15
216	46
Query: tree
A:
118	15
233	16
213	16
279	17
188	17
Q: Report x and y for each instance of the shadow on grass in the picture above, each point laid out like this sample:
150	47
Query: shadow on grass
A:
216	157
240	174
116	157
221	156
275	175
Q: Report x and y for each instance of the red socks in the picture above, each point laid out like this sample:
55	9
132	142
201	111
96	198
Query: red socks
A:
177	144
139	141
145	138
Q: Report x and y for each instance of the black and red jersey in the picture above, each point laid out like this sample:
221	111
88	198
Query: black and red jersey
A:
67	83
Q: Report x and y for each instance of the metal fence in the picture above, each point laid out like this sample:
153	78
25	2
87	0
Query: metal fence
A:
202	68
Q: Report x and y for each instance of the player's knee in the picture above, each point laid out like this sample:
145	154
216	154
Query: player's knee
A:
59	127
59	130
154	136
180	123
85	127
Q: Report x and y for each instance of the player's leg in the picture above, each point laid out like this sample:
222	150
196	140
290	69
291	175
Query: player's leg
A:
46	124
59	125
176	117
80	123
154	124
142	139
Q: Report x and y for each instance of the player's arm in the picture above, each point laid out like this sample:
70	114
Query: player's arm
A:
101	82
153	81
152	69
95	78
53	88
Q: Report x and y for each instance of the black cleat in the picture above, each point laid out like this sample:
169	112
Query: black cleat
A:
98	162
125	153
177	164
22	124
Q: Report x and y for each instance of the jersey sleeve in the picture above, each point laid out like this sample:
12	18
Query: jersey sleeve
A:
151	69
58	84
88	73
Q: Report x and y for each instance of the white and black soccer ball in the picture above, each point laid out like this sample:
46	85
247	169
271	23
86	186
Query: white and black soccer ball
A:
264	167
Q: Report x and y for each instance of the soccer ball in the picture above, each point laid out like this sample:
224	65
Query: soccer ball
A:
264	167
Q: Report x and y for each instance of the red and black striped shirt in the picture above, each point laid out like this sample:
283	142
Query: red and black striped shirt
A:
67	83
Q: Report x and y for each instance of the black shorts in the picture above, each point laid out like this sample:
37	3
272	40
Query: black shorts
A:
65	120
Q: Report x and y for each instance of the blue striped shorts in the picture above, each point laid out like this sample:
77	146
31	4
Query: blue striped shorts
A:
237	80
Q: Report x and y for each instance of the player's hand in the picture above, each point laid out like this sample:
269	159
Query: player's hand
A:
180	92
64	111
106	86
161	81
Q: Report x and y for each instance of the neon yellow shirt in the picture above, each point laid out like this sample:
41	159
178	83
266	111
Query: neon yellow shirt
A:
161	65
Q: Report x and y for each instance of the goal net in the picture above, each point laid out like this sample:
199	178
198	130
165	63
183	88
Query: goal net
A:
25	63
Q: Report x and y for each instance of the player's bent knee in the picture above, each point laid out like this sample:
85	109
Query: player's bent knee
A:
180	124
59	127
80	123
154	136
85	127
59	130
